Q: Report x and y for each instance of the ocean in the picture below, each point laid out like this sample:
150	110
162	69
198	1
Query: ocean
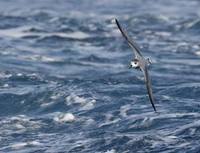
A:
65	85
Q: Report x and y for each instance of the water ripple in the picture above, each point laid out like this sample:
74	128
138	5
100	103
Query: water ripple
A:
65	85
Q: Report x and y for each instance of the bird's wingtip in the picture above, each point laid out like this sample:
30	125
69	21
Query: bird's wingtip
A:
114	20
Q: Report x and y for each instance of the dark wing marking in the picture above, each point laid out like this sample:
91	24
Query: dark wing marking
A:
130	42
148	86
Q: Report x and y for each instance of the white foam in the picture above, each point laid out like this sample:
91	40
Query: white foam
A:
19	145
191	127
22	102
86	104
164	139
22	32
195	46
25	144
54	97
197	53
19	74
109	120
21	123
111	151
50	59
124	109
20	118
74	99
192	23
3	75
42	58
15	32
163	17
48	104
77	35
89	105
19	126
166	97
62	118
163	33
89	121
6	85
174	115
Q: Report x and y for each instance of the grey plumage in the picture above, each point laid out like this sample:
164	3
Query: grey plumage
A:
140	62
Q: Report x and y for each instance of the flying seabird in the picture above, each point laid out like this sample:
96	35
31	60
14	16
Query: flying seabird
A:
139	62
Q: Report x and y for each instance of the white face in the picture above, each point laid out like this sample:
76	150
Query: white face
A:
134	64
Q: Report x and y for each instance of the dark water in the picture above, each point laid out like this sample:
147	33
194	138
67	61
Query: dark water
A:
65	85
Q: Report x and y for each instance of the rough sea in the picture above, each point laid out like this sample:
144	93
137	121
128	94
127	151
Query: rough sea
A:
65	86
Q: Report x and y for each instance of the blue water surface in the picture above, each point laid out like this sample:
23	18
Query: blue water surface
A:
65	86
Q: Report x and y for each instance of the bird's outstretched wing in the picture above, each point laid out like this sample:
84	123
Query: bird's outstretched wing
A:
148	85
131	43
143	65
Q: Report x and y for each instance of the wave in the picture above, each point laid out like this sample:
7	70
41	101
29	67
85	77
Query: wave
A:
8	21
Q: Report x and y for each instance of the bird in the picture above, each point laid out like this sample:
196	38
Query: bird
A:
139	62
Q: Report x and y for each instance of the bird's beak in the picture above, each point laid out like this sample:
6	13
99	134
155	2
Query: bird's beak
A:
129	66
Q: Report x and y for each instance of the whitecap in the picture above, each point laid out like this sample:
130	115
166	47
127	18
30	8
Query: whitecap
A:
64	117
56	96
124	109
86	103
19	126
111	151
15	32
197	53
5	76
43	58
48	104
163	33
109	120
19	123
163	17
6	85
166	139
76	35
191	127
25	144
19	145
195	46
89	105
192	23
23	32
174	115
19	74
74	99
49	59
166	97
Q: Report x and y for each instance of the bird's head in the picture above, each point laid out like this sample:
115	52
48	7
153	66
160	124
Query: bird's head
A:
134	64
